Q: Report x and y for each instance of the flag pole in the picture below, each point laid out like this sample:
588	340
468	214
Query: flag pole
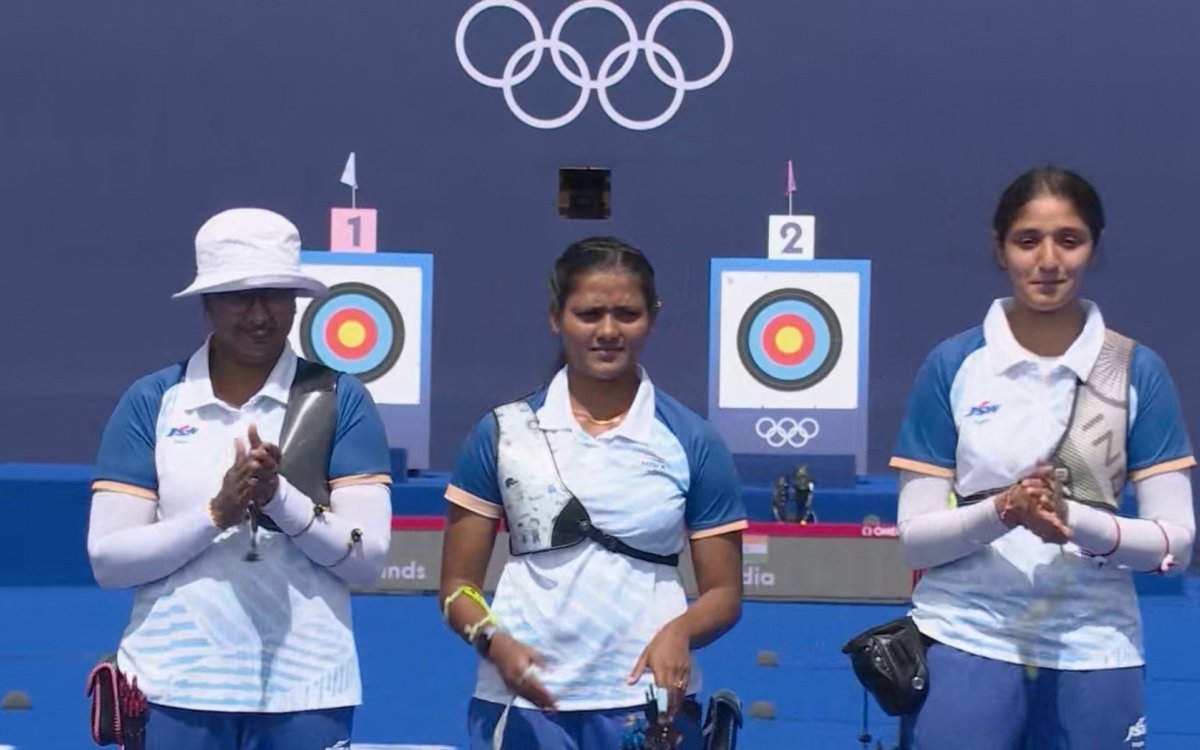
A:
791	185
350	179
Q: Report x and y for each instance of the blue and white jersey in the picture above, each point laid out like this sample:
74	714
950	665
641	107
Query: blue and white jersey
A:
220	633
983	412
658	478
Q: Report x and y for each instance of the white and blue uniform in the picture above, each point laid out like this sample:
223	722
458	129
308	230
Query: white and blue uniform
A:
982	414
221	634
658	478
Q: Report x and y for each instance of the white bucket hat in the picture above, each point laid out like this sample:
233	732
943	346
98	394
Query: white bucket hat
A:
249	248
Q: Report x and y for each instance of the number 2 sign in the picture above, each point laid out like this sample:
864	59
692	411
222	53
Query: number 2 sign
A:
352	230
791	237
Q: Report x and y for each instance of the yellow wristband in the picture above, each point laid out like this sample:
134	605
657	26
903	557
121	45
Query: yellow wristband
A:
471	593
472	631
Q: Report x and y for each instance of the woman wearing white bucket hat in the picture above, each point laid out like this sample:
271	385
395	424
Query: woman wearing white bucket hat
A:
211	462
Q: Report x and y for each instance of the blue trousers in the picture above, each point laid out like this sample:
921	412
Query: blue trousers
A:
180	729
530	729
984	704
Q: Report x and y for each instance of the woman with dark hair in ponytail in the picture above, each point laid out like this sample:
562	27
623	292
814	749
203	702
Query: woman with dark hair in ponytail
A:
601	480
1032	424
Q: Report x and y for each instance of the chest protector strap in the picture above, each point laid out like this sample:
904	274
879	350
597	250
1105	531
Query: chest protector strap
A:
306	438
1090	459
539	510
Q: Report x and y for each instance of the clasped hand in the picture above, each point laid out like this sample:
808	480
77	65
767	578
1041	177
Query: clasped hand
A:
1037	503
250	482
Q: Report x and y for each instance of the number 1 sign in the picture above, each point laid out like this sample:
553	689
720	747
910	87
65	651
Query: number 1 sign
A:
352	230
791	237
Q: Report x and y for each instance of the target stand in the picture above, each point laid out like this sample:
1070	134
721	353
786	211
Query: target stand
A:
788	355
375	324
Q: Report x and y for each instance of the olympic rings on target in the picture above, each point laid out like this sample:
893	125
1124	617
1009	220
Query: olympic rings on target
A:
787	431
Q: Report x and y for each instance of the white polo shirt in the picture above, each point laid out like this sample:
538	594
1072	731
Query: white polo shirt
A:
984	411
221	633
659	477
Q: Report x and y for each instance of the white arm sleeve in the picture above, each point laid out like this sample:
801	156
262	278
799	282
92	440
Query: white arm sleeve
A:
933	534
1159	540
129	546
326	538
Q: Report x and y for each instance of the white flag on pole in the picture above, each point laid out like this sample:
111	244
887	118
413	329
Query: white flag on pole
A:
348	174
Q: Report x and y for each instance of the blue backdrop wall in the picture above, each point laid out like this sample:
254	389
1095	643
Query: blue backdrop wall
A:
123	126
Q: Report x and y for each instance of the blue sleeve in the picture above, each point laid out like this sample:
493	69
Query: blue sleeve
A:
928	435
360	446
1158	434
126	454
475	470
714	494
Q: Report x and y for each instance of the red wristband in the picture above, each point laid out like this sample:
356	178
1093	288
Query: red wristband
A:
1118	544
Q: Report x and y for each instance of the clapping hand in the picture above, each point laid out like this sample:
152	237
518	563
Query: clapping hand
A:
263	460
232	503
1037	503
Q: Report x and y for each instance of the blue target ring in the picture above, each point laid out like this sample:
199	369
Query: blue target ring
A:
812	329
355	329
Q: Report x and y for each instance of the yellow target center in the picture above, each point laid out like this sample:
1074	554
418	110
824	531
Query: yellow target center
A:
789	339
352	334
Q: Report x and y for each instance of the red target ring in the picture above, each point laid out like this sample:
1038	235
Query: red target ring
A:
788	339
350	333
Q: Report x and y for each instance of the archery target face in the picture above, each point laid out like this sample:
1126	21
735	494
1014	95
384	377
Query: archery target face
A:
789	340
355	328
368	325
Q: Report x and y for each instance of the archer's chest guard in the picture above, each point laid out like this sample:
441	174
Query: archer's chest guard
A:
540	512
1090	460
306	438
534	495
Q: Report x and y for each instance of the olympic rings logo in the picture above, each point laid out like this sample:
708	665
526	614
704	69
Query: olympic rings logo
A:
625	53
787	431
